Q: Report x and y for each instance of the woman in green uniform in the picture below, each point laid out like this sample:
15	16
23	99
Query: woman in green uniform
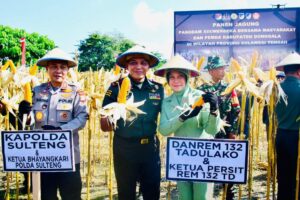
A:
200	122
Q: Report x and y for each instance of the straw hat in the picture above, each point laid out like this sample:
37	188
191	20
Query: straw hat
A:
137	51
214	62
177	62
291	59
56	54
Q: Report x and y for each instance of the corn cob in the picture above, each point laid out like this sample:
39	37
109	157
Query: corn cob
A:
12	66
235	65
273	74
125	87
5	66
228	77
200	63
231	86
198	103
117	70
33	70
27	93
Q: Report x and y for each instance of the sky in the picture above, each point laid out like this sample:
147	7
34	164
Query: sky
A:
149	22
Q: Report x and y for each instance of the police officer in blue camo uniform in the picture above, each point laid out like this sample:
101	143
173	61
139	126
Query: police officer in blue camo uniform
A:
59	105
135	145
287	137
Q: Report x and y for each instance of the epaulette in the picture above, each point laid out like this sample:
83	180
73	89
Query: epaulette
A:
155	82
41	87
75	87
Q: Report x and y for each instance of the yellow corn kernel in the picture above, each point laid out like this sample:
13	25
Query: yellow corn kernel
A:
125	87
235	65
117	70
27	93
200	63
33	70
198	103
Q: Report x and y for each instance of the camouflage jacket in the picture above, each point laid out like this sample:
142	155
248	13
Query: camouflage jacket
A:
228	110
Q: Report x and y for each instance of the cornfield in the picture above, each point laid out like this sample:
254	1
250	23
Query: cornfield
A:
96	152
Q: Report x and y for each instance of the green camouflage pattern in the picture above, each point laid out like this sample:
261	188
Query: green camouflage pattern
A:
214	62
228	112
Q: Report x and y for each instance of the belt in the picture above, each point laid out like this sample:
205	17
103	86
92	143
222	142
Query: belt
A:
137	140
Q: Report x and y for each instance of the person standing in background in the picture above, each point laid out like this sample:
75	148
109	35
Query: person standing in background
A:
287	138
228	105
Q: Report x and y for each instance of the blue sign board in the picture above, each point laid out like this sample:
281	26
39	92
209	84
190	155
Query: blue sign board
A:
238	33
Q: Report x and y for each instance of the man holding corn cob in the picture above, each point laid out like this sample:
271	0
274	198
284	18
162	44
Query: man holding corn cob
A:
197	118
135	145
229	108
287	138
59	105
228	105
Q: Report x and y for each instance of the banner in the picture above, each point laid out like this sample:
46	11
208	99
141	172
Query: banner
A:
43	151
207	160
238	33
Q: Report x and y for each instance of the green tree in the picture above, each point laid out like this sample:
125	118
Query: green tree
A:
36	45
100	50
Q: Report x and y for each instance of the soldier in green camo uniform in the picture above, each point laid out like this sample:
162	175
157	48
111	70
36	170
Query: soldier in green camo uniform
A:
228	105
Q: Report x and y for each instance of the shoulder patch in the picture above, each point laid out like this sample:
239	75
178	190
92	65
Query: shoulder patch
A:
154	82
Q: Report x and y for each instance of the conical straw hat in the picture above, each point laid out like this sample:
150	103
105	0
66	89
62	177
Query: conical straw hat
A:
137	51
56	54
177	62
291	59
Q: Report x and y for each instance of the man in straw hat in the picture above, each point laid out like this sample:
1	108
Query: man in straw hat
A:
59	105
203	121
287	137
136	147
228	105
